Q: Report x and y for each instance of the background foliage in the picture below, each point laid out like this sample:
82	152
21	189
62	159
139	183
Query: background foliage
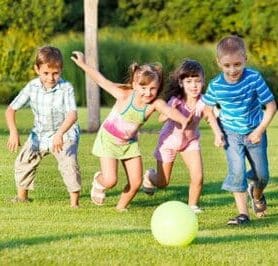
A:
27	24
24	25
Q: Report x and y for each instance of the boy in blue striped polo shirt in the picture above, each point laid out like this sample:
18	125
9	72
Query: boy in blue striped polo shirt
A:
241	93
55	129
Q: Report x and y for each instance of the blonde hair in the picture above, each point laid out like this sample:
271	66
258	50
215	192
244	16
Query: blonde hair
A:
230	45
49	55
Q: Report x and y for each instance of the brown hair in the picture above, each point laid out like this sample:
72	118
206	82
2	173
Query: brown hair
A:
49	55
230	45
145	74
188	68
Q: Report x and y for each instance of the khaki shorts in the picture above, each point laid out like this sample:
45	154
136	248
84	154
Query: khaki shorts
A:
28	160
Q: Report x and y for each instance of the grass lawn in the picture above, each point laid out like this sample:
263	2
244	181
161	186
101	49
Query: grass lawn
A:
48	232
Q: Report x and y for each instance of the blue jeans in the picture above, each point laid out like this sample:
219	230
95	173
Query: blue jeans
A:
237	149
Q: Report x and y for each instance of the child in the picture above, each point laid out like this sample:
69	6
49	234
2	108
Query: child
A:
117	137
241	94
185	88
55	131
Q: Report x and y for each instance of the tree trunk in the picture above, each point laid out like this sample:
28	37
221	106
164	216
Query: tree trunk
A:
91	53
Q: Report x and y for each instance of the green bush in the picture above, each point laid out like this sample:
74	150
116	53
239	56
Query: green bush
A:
25	25
16	61
116	55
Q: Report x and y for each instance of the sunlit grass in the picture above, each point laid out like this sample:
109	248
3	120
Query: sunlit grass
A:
48	232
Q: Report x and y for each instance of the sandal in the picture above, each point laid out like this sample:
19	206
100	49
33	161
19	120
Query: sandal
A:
258	206
239	220
97	191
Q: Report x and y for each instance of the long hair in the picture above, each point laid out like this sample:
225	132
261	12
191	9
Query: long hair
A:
188	68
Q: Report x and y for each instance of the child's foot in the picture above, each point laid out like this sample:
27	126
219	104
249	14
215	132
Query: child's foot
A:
97	192
148	187
241	219
196	209
258	206
121	209
16	199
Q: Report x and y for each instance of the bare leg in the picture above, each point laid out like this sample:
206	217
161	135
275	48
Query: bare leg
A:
133	168
257	193
164	171
107	178
109	168
22	194
241	202
193	161
74	199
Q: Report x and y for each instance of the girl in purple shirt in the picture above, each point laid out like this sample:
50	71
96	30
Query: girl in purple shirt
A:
184	92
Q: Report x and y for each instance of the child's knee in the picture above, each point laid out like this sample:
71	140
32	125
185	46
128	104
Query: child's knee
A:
109	182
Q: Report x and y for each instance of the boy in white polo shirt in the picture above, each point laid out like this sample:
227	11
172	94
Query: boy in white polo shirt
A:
55	129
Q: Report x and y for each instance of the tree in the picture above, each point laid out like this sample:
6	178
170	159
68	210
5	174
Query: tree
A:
91	53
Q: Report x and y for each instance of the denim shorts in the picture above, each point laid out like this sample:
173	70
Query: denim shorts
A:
238	149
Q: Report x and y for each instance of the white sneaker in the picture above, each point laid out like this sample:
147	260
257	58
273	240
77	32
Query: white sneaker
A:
196	209
148	187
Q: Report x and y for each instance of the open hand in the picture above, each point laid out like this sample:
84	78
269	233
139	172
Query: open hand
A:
58	142
13	142
78	58
188	120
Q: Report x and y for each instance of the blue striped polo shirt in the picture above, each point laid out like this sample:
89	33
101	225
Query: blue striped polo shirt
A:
241	103
50	108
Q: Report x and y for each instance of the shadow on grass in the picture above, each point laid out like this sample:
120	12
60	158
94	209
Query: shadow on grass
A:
17	243
234	238
180	193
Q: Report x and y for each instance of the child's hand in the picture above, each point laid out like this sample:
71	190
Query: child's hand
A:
13	142
254	137
219	141
188	120
78	58
199	108
58	142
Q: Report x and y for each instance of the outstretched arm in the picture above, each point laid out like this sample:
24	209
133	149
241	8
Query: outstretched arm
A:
13	141
270	110
96	76
172	113
211	119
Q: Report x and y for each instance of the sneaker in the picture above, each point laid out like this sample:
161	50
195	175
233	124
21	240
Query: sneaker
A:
196	209
148	187
241	219
258	206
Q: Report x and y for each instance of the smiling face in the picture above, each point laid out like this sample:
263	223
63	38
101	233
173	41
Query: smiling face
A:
232	65
192	86
49	76
147	92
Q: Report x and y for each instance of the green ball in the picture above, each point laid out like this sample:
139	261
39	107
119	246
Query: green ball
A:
173	223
